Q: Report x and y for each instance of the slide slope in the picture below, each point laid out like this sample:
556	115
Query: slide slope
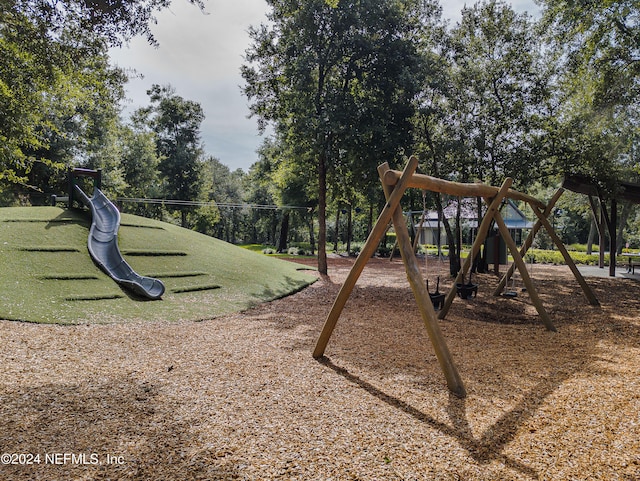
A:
103	247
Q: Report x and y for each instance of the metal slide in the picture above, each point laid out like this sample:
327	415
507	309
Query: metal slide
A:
103	247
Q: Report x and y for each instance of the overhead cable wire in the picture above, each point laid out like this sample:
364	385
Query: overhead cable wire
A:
196	203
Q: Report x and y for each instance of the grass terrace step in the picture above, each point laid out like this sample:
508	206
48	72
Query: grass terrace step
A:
48	276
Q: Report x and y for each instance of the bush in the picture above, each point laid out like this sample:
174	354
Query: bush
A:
540	256
297	251
582	248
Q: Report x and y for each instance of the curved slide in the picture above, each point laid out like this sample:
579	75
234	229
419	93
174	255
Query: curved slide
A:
103	247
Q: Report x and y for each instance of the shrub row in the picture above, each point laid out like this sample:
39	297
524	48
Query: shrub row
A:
539	256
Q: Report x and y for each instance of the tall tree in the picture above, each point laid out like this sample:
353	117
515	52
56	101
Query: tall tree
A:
176	123
498	91
55	82
222	186
331	74
598	49
287	182
258	189
139	163
58	103
603	37
115	21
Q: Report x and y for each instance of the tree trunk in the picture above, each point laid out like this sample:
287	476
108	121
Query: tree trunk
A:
284	232
337	230
349	229
183	218
624	217
592	235
458	245
439	230
454	261
312	238
480	262
274	228
322	214
613	223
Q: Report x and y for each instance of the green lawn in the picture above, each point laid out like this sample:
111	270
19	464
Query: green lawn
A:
48	276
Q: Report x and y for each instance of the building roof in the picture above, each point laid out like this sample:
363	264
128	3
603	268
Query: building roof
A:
513	217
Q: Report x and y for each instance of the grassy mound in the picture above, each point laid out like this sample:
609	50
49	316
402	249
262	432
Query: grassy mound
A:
48	276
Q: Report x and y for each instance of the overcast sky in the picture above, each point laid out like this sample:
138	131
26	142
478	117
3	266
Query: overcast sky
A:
200	56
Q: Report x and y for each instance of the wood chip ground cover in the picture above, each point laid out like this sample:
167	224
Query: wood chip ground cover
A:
240	397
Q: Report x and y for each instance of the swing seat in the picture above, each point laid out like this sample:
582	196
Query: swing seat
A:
510	294
467	291
437	300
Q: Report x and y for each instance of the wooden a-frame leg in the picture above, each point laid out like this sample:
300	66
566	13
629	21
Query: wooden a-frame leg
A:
591	297
522	267
367	251
494	205
428	314
529	241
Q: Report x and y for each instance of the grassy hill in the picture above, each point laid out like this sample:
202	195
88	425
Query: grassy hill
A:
48	276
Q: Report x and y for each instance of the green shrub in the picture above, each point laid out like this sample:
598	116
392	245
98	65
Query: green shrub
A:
582	248
540	256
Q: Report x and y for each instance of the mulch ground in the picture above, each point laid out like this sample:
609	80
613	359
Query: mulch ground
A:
241	397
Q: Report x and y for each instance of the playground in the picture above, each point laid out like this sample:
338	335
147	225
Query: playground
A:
542	371
240	396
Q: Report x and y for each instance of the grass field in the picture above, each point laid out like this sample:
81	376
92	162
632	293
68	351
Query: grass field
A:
48	276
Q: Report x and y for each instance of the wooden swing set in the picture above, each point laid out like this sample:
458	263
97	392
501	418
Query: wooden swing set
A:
394	184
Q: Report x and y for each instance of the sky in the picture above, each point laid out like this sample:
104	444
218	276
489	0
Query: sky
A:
200	55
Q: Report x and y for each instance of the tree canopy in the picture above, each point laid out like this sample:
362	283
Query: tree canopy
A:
58	92
341	86
175	122
603	37
335	78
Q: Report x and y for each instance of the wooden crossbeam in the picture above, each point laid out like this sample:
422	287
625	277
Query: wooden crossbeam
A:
426	182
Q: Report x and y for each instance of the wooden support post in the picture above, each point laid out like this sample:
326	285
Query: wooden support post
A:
567	258
607	226
522	267
600	222
529	241
494	205
454	381
365	254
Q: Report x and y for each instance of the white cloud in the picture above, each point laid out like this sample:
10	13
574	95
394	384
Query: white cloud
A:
200	56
